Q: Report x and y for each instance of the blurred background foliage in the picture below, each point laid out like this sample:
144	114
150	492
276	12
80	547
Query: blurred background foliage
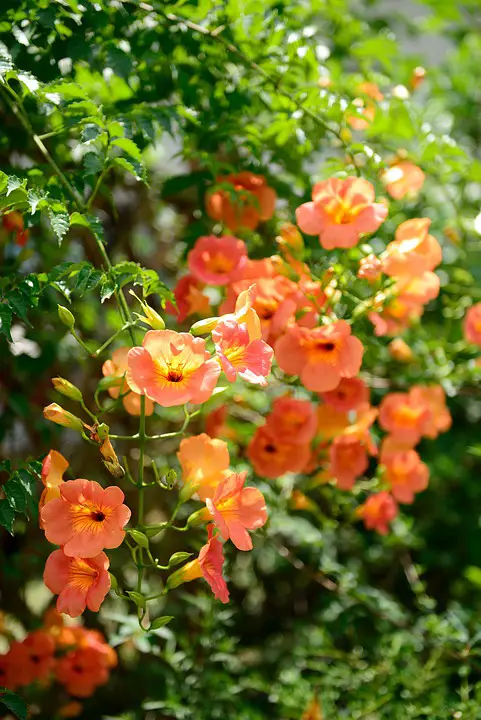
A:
154	100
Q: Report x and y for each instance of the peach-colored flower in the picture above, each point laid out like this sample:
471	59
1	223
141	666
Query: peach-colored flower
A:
32	659
53	467
272	458
239	355
407	417
117	367
406	475
86	518
321	357
79	582
418	290
172	368
81	671
378	512
300	501
292	421
189	299
215	260
364	116
204	462
365	417
394	445
349	394
340	212
400	351
403	179
396	317
348	460
413	251
370	268
237	509
472	324
251	202
208	565
435	398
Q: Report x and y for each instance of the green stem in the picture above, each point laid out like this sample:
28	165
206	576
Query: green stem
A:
112	338
140	487
80	341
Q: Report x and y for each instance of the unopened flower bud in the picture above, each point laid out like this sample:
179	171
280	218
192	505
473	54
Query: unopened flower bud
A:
290	237
400	350
151	317
199	517
110	459
418	77
370	268
190	571
58	415
66	316
64	387
202	327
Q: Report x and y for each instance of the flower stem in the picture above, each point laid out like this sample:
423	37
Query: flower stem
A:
140	487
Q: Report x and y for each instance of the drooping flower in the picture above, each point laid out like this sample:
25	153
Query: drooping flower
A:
348	460
79	582
378	512
406	475
172	368
204	462
81	671
238	354
237	509
403	179
208	565
340	212
272	458
189	299
251	202
86	518
215	260
321	357
472	325
413	250
53	467
349	394
407	417
117	367
33	658
292	421
370	268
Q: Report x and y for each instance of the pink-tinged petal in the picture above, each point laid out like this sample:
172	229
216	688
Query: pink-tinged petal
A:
55	575
350	357
267	201
239	536
253	511
252	378
203	382
339	236
74	490
218	519
309	219
370	219
141	373
112	496
229	370
290	356
320	378
97	593
56	521
84	545
72	601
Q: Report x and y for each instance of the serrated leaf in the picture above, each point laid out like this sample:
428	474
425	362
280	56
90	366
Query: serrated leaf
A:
7	515
15	183
133	168
14	703
119	61
160	622
92	164
87	279
5	321
15	495
129	147
90	132
36	198
60	223
107	288
20	303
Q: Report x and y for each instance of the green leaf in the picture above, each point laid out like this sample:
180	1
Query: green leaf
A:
107	288
5	321
15	183
129	147
14	703
60	222
15	495
92	164
160	622
7	515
